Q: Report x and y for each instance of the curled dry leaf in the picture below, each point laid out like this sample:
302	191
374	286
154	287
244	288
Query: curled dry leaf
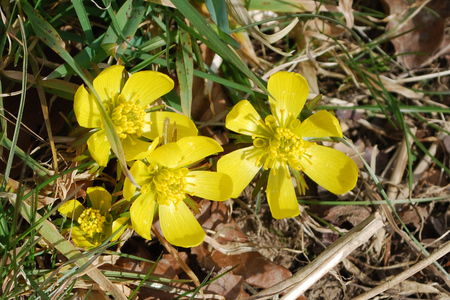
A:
256	269
419	36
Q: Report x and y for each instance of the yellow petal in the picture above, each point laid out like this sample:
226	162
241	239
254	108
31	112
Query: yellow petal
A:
140	174
184	126
141	213
166	155
179	225
146	87
195	148
319	125
209	185
244	119
117	224
281	193
79	238
289	92
100	198
109	82
86	109
136	149
99	147
330	168
241	165
71	209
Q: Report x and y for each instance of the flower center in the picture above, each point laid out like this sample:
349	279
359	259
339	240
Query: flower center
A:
170	185
129	119
283	145
91	221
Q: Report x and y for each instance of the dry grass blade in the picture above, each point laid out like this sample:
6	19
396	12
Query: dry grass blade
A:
306	277
408	273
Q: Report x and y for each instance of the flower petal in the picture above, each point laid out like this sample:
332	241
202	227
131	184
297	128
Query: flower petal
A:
179	225
281	193
140	174
209	185
136	149
141	213
167	155
319	125
195	148
244	119
241	165
146	87
86	109
99	147
71	209
79	238
116	226
184	125
330	168
289	92
108	82
100	198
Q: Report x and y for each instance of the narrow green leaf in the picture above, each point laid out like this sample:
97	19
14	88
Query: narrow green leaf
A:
118	36
185	71
213	40
84	19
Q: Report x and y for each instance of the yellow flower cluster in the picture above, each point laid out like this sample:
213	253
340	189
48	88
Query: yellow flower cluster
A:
164	181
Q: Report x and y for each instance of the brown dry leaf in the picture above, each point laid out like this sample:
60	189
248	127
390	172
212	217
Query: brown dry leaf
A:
323	30
425	31
256	269
413	215
351	213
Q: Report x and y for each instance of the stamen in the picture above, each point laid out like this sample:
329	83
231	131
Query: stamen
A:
129	119
91	221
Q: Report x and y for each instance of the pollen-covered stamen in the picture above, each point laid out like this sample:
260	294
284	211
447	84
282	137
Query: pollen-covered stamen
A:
171	185
285	146
91	221
129	119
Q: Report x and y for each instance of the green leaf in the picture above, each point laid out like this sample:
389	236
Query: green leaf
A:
125	24
185	71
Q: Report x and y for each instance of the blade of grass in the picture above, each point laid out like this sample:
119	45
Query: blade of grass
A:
213	40
185	71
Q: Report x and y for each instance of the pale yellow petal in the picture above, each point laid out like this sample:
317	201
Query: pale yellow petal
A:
99	198
195	148
167	155
99	147
141	213
330	168
319	125
117	224
135	149
179	226
86	109
183	125
289	92
79	238
147	86
140	174
244	119
281	193
209	185
109	82
71	209
241	165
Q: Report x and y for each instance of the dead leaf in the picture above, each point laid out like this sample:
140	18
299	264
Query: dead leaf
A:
424	33
256	269
348	213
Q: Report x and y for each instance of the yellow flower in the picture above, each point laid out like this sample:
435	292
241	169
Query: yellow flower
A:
95	224
125	104
283	144
165	180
